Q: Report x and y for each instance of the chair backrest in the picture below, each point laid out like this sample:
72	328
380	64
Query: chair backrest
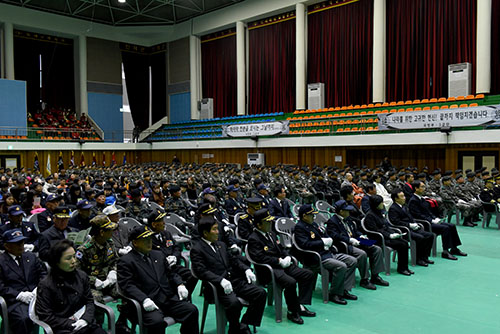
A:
237	217
34	219
174	219
321	218
119	207
177	234
323	206
284	227
155	206
295	210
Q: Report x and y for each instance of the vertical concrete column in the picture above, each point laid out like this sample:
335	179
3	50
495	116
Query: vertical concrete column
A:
379	54
483	47
82	74
240	69
300	56
9	50
195	75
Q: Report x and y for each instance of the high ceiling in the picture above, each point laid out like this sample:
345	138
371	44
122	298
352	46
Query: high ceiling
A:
130	13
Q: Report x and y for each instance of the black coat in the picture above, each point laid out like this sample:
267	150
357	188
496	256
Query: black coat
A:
280	210
400	216
419	209
339	233
165	243
138	280
59	296
14	280
308	236
28	229
49	237
377	223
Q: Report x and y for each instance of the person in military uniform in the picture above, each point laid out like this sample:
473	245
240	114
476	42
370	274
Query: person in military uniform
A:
164	242
45	218
451	200
391	183
58	231
263	193
488	195
175	204
97	257
100	203
233	204
467	192
81	220
136	208
245	223
28	229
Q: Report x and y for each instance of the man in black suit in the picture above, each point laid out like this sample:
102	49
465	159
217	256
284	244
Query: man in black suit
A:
278	206
419	209
165	243
342	267
342	229
20	274
211	262
400	216
264	247
16	215
144	274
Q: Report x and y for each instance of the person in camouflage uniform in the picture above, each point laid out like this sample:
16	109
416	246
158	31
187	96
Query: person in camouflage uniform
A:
98	257
451	200
175	204
136	208
391	183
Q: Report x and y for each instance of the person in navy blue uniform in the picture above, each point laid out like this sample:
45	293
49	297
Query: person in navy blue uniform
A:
20	273
263	193
233	204
58	231
264	247
342	267
232	277
145	275
246	221
399	215
419	209
45	218
28	229
278	206
81	220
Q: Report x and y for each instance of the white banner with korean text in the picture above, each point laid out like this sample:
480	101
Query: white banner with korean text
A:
429	119
256	129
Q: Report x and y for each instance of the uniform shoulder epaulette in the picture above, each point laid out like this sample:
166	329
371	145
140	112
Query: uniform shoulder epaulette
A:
243	216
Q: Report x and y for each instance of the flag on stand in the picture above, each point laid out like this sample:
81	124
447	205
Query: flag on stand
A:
103	159
124	158
94	162
60	162
49	167
72	161
36	164
113	160
82	160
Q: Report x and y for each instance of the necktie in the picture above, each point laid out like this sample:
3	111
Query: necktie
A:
20	263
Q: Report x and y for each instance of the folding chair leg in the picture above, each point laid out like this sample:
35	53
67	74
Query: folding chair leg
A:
434	246
325	284
387	262
204	316
413	253
278	304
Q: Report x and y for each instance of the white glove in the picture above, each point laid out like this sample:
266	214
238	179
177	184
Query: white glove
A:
327	241
99	284
363	237
354	242
145	220
25	296
414	226
285	263
250	276
29	247
112	277
106	283
172	260
149	305
227	228
235	246
192	213
436	220
461	201
394	235
124	250
227	286
182	292
79	324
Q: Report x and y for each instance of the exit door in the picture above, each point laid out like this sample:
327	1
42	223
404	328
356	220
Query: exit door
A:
477	159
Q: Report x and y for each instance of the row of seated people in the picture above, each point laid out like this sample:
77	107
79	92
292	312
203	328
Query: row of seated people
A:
58	118
137	271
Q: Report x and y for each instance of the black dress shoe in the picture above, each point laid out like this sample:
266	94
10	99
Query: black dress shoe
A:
244	329
365	283
405	272
448	256
295	317
377	280
306	313
469	224
456	251
429	261
422	263
337	300
411	271
349	296
122	329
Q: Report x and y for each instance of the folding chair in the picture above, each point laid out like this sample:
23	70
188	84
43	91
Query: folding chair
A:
386	250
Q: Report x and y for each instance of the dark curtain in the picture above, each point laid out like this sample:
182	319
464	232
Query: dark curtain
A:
340	52
57	72
136	68
218	64
423	38
495	47
158	63
272	68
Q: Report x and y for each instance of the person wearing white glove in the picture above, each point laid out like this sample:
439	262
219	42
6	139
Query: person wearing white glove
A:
414	226
235	249
436	220
124	250
342	267
25	296
227	286
112	277
209	262
182	292
29	247
354	242
79	324
394	236
285	262
149	305
251	278
172	260
99	285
